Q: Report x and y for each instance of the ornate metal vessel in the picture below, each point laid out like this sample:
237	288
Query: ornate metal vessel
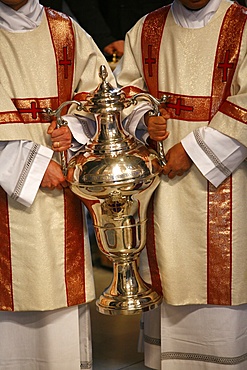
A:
115	177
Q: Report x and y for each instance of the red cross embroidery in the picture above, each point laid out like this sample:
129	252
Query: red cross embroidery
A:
225	66
65	62
179	107
34	110
149	60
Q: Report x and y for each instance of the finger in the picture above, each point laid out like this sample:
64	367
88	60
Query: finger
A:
62	147
171	174
64	184
62	140
158	128
167	169
119	53
159	136
63	131
59	146
52	127
164	113
157	120
56	144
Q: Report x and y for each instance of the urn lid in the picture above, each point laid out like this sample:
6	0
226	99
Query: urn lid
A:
105	98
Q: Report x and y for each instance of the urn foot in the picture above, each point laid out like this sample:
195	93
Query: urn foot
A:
127	294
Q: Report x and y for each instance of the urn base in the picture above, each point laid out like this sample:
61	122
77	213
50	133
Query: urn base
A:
128	294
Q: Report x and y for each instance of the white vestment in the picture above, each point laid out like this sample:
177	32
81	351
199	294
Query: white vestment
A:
197	254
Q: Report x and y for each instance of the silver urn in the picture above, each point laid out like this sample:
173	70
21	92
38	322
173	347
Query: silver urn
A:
115	176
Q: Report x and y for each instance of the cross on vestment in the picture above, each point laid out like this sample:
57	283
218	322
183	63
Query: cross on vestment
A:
65	62
150	61
225	66
34	110
178	106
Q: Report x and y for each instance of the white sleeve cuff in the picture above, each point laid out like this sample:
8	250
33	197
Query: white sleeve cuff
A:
23	165
35	175
215	154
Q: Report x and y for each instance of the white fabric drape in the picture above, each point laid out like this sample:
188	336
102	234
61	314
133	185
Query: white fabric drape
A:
51	340
26	18
194	18
195	337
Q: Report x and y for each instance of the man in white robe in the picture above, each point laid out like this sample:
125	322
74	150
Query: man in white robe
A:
46	274
195	53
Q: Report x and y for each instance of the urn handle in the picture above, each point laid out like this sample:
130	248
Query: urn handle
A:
155	103
62	122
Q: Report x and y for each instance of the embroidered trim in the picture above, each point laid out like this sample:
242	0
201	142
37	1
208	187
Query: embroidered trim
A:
26	168
86	130
152	33
61	30
232	110
203	358
218	164
31	110
86	365
187	108
150	340
227	55
6	287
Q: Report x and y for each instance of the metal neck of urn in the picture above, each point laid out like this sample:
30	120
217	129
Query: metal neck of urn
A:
107	103
110	138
